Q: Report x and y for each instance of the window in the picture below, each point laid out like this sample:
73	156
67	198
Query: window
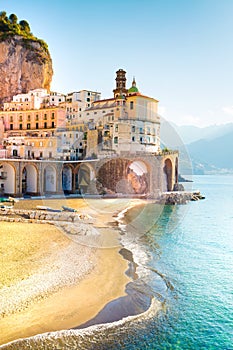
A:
45	116
131	104
41	154
37	125
133	128
11	126
11	119
37	117
116	127
115	139
133	138
28	126
88	99
20	126
141	139
53	125
50	155
29	118
53	115
45	125
20	118
141	130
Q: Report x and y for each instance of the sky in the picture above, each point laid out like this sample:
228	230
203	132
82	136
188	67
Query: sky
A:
180	51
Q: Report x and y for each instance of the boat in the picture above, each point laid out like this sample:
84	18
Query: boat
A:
6	206
2	200
69	209
14	200
43	207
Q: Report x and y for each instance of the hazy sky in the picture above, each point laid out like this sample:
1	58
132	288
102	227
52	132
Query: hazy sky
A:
180	51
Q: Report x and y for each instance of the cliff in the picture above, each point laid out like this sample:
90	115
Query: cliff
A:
25	62
24	65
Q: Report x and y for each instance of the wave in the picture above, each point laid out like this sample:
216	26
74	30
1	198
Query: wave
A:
94	337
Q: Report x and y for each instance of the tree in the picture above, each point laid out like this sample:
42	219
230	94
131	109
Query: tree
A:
24	26
13	18
3	15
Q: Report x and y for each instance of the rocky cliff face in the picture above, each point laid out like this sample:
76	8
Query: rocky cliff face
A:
24	65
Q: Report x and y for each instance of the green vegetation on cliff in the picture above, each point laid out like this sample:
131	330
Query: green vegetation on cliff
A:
9	27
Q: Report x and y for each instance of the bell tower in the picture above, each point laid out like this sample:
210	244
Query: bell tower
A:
120	90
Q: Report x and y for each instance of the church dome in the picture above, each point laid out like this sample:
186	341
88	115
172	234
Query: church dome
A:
133	88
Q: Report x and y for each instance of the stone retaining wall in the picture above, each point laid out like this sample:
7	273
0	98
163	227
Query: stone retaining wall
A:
38	216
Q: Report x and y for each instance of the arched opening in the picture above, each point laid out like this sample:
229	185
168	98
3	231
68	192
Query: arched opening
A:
176	171
168	174
50	179
67	179
83	178
29	179
112	176
137	176
7	179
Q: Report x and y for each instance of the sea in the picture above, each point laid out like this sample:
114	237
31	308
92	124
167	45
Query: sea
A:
189	252
183	257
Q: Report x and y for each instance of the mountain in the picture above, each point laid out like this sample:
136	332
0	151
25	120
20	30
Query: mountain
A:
204	150
216	152
25	61
189	133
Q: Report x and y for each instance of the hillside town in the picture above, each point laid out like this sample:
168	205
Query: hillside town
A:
64	131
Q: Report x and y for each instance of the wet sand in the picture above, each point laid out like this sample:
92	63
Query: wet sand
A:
86	278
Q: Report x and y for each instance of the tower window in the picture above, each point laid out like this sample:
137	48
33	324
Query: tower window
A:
131	104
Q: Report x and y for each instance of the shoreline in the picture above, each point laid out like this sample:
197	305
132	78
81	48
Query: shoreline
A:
88	280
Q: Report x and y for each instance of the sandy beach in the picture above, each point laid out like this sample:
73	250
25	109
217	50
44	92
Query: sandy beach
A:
49	280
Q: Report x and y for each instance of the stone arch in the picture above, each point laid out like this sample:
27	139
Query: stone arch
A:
112	176
168	174
67	178
50	179
7	178
138	177
29	179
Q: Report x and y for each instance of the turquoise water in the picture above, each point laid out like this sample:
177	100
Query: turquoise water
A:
185	260
191	247
196	256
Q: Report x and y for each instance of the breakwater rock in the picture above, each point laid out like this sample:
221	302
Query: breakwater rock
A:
179	197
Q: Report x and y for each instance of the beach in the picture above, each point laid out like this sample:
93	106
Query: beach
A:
51	280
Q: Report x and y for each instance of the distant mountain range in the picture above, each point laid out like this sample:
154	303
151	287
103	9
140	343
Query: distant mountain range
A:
209	149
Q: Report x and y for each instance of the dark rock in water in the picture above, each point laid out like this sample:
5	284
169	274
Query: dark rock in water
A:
178	187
